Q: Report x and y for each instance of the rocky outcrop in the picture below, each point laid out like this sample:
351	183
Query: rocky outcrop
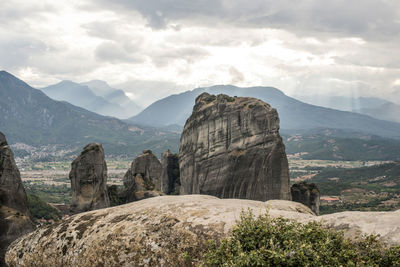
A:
169	231
231	148
170	182
143	179
307	194
15	218
88	177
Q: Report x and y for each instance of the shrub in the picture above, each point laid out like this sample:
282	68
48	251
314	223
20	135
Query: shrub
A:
40	209
264	241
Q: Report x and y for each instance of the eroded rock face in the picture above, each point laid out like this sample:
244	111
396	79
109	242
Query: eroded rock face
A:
160	231
15	218
143	179
307	194
170	182
231	148
88	177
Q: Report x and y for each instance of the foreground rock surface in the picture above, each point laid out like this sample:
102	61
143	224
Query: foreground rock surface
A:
14	213
231	148
143	178
88	177
160	231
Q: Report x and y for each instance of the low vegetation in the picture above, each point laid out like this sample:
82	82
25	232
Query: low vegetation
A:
41	210
264	241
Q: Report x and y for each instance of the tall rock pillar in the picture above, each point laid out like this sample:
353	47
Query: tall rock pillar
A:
88	177
15	218
231	148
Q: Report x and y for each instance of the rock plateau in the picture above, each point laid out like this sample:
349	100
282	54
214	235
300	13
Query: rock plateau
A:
169	230
88	177
231	148
15	218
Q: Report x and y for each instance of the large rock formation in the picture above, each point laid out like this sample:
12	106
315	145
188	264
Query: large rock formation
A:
307	194
231	148
15	218
143	179
160	231
88	177
170	182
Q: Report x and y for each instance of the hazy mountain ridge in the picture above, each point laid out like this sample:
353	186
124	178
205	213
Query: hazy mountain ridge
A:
343	103
116	96
30	117
95	96
377	108
293	113
388	111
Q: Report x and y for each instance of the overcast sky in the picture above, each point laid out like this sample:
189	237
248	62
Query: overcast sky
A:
152	48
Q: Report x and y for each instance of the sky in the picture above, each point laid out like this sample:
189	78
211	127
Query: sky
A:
155	48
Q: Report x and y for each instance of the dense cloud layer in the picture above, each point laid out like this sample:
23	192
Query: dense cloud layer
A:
303	47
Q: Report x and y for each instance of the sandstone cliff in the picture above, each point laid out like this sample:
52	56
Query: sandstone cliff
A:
88	177
15	218
160	231
231	148
170	181
143	178
307	194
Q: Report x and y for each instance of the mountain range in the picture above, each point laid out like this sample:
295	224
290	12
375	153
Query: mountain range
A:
30	117
294	114
96	96
375	107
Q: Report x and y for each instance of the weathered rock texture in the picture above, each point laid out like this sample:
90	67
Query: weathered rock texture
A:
231	148
88	177
143	179
307	194
161	230
170	182
15	218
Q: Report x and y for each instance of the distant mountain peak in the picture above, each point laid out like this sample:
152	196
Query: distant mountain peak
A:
110	102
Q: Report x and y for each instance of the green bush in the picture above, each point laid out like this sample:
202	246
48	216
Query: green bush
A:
40	209
264	241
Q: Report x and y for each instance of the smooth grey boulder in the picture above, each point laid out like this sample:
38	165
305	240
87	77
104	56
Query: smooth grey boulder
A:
15	218
231	148
170	182
88	177
143	178
170	230
307	194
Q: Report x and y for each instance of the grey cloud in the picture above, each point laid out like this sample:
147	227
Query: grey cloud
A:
163	56
14	13
118	53
237	76
17	51
367	18
160	13
102	29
